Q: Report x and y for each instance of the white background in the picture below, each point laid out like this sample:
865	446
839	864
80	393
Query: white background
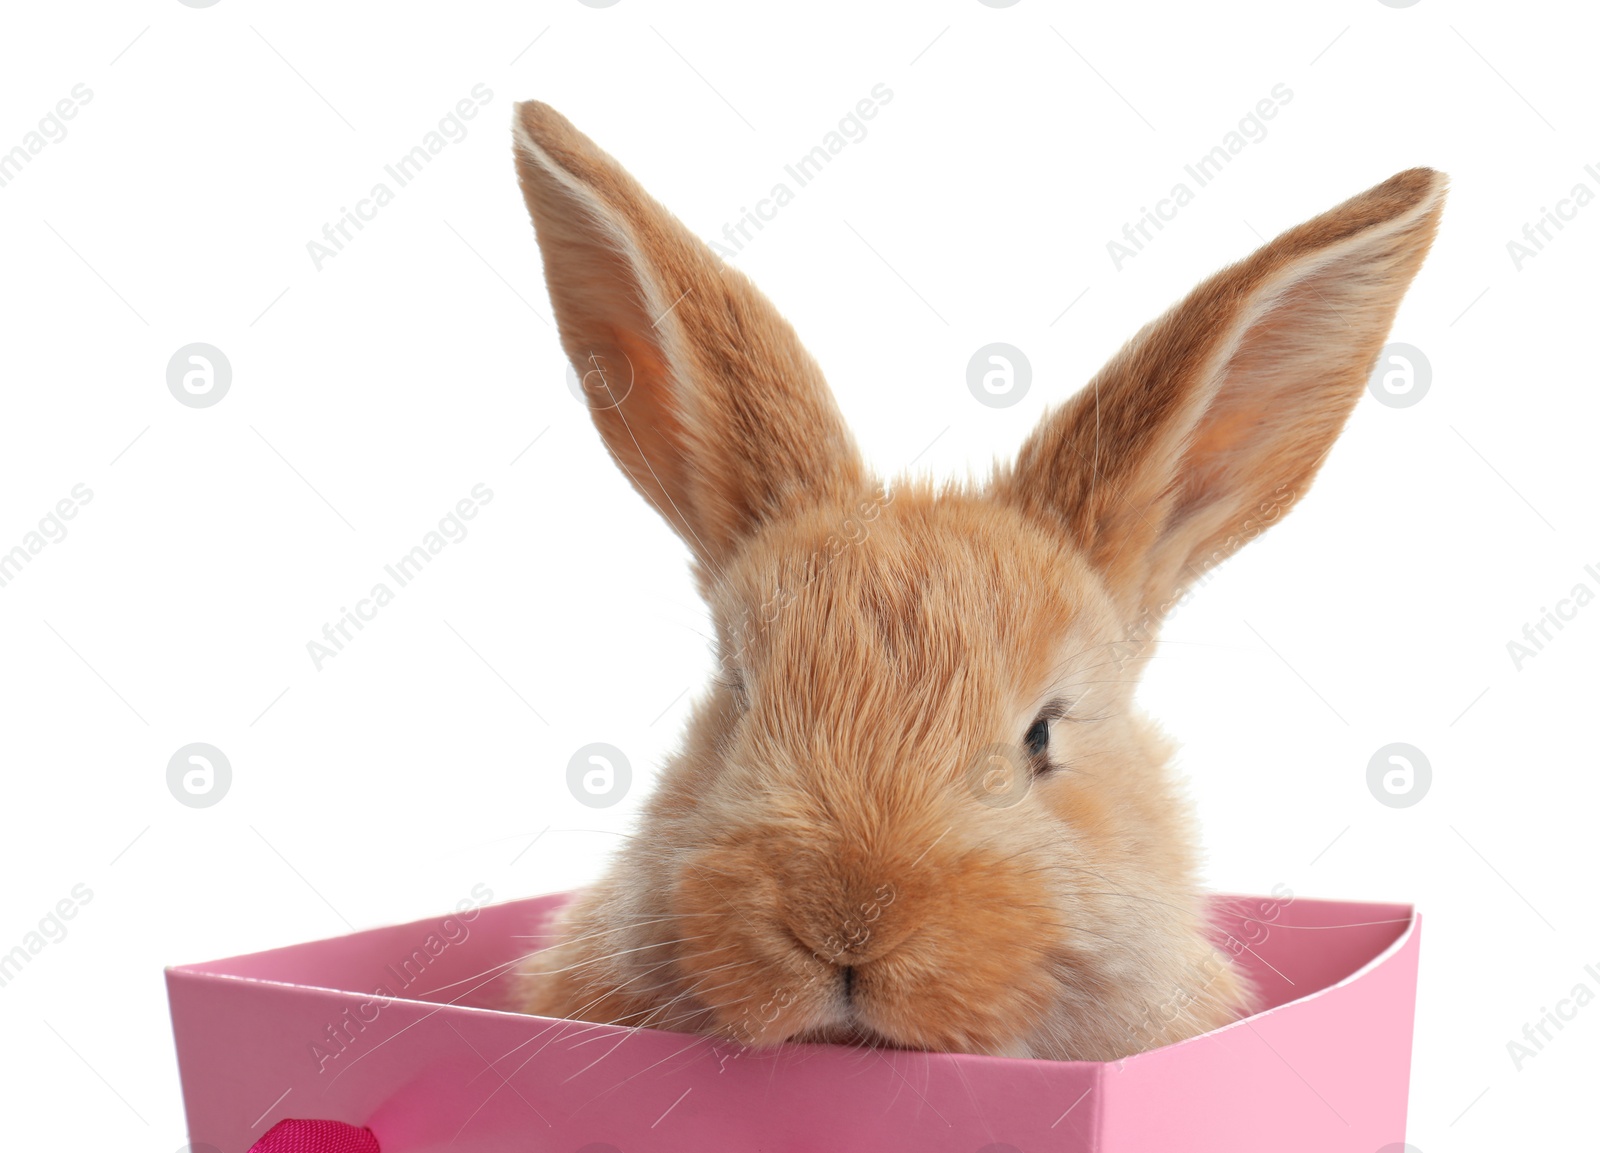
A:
371	395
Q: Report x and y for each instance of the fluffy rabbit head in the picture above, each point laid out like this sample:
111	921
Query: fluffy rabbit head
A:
918	807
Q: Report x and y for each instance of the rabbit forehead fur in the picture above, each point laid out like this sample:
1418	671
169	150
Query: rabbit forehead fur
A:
941	603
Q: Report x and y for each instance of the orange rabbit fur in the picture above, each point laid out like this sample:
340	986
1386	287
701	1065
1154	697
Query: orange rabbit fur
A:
919	808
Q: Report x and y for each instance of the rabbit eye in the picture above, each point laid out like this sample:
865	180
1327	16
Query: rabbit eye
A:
1037	739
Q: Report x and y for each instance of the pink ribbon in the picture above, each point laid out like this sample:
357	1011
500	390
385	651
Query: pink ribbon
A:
316	1137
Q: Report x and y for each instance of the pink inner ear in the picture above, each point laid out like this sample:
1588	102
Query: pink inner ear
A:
1283	397
640	421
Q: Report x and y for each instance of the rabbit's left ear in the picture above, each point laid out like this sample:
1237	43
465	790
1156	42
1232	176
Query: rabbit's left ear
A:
700	389
1211	422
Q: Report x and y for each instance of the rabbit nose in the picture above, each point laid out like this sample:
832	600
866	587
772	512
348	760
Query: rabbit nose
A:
849	975
845	928
823	946
843	944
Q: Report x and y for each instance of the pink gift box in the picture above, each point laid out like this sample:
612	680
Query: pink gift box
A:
432	1065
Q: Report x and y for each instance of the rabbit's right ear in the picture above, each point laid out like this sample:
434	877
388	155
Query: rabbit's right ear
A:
700	389
1213	421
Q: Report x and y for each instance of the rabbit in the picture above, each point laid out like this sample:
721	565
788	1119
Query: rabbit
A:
917	808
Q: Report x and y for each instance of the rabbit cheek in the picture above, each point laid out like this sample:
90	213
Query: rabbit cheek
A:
739	964
966	1000
761	994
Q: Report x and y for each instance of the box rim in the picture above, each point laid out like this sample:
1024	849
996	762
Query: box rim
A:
1412	922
